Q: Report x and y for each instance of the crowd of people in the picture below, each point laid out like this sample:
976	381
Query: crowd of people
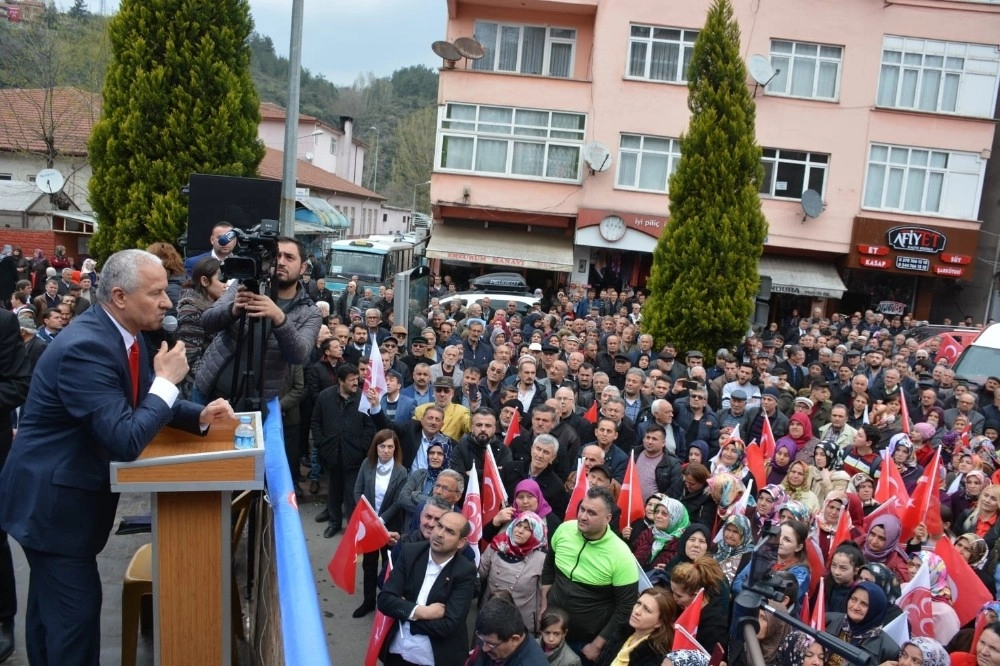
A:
570	395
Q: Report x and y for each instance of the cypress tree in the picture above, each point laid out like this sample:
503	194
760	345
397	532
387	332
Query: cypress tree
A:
704	274
178	99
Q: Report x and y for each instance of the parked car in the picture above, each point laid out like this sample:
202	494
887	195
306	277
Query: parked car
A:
952	340
981	358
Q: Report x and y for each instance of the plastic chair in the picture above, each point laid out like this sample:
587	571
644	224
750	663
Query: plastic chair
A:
138	583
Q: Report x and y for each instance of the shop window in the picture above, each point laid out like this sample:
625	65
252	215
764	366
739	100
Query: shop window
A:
789	173
659	54
646	162
518	143
525	49
939	77
919	180
805	70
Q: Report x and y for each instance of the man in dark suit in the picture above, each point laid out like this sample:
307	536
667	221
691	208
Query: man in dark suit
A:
15	374
429	593
92	401
218	251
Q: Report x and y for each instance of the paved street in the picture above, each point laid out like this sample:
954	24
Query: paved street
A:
345	636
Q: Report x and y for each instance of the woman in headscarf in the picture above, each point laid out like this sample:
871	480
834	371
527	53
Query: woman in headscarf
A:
921	435
726	490
800	431
784	454
733	459
770	499
864	487
794	510
736	545
946	623
513	563
698	453
882	576
976	552
421	482
696	497
965	498
903	455
528	496
882	545
656	547
686	658
631	532
797	483
825	469
771	634
828	518
862	625
920	651
799	649
694	543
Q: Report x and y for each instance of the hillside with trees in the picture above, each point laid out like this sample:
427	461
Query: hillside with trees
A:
72	49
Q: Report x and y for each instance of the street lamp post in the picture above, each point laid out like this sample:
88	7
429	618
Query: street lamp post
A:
413	208
288	171
375	184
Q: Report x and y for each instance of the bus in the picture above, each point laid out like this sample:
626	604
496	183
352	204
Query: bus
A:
374	262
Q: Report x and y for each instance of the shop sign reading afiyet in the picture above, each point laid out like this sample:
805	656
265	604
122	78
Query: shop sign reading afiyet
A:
916	239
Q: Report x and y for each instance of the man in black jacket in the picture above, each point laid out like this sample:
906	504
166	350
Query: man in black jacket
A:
342	435
471	449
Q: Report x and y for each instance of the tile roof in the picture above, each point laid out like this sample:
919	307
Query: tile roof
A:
272	111
313	177
74	113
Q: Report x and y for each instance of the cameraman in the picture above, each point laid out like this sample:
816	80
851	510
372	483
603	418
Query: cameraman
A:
287	327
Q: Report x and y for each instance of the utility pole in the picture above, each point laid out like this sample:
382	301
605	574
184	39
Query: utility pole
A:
375	184
288	173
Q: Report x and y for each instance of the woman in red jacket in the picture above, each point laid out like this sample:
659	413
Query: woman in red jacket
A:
882	546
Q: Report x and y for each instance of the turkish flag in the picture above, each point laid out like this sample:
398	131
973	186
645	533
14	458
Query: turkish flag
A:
767	443
924	505
591	414
686	627
890	483
380	628
970	593
817	563
579	492
950	348
818	619
365	533
915	600
630	497
514	430
755	463
843	532
473	509
892	506
804	613
494	494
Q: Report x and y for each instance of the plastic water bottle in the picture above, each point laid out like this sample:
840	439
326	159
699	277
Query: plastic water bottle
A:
244	434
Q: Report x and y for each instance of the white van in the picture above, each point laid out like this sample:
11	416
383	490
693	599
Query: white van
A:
981	359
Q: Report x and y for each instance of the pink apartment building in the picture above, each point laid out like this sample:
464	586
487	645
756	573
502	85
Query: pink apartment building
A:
884	107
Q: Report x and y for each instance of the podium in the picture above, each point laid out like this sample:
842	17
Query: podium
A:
192	479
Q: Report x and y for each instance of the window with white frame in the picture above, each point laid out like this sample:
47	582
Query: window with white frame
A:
529	143
922	180
805	70
660	54
646	162
789	173
525	49
939	77
333	146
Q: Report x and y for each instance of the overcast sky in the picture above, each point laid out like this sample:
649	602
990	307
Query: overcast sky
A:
344	38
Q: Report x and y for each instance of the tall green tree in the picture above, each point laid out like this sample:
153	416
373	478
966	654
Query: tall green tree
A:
178	99
704	275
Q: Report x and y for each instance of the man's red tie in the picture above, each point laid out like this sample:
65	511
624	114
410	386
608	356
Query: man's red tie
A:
133	364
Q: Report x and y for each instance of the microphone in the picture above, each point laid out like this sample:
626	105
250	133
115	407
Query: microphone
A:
227	238
169	327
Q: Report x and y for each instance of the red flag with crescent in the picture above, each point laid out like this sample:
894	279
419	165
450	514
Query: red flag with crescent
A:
365	533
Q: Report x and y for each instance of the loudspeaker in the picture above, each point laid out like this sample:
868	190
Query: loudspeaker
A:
243	202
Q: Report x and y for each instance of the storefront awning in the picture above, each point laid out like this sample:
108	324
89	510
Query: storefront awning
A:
802	277
516	249
319	211
312	229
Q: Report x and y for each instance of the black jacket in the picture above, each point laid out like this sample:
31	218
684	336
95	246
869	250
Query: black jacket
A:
668	476
341	433
642	655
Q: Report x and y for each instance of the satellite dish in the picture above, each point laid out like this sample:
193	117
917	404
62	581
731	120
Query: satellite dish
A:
812	204
760	69
309	157
597	156
470	48
447	51
49	181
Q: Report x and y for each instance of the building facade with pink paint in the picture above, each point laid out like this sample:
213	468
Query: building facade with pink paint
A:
884	107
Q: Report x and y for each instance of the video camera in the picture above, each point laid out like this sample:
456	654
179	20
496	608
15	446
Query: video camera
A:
252	260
